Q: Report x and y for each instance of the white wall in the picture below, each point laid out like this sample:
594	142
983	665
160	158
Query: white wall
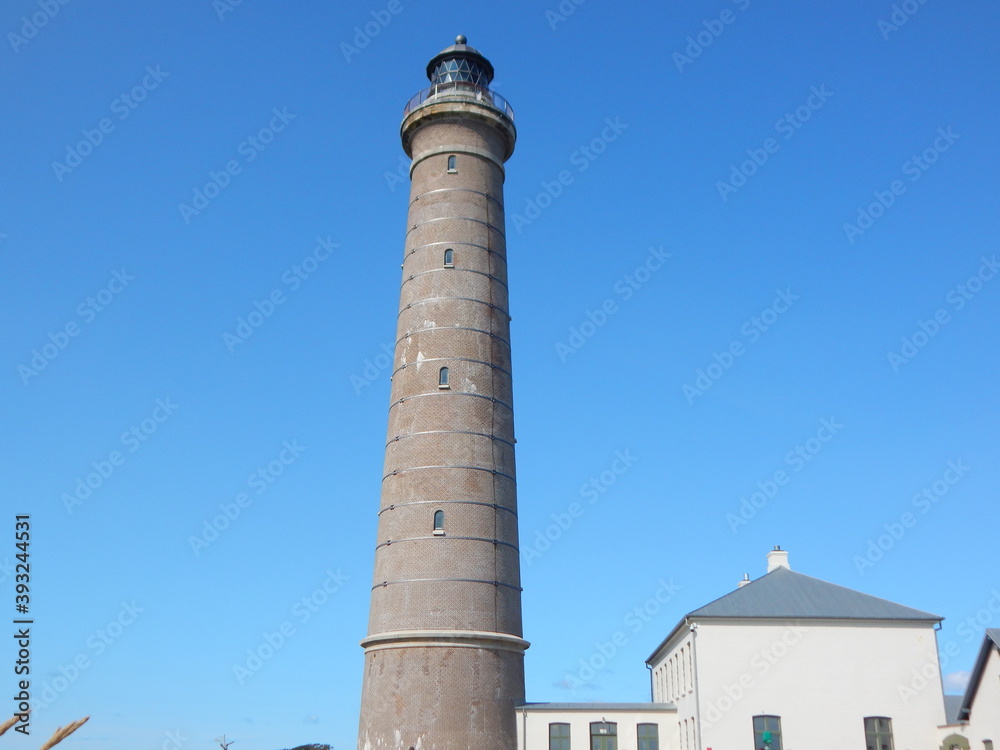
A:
984	721
821	677
533	725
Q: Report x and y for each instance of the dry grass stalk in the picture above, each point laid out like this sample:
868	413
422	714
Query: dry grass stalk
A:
63	732
8	724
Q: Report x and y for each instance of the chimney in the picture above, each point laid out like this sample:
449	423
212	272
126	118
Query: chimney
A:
744	582
777	558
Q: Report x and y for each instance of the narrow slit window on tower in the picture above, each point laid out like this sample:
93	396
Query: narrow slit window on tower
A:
439	523
443	378
449	258
452	164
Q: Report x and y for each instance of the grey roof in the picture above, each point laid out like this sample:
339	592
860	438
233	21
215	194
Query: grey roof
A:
991	642
598	706
951	705
785	594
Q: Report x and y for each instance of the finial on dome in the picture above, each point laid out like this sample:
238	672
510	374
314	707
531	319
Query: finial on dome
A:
460	39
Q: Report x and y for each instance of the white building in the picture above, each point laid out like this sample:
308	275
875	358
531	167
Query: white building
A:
598	726
789	662
794	662
975	721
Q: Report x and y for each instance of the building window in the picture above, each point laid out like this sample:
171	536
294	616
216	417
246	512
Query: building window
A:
878	733
603	735
558	736
438	522
767	732
648	736
453	164
443	378
449	258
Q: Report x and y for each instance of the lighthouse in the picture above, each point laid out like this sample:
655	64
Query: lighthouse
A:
444	653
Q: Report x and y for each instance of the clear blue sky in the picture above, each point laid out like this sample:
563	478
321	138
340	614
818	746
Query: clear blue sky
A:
741	152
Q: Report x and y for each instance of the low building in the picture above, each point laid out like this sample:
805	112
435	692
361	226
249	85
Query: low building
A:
975	723
789	662
598	726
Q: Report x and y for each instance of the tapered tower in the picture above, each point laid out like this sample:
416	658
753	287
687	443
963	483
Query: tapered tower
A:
444	657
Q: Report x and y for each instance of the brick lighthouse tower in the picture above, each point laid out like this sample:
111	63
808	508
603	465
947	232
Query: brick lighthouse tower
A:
444	657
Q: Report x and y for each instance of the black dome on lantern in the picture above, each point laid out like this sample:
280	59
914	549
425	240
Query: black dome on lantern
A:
460	62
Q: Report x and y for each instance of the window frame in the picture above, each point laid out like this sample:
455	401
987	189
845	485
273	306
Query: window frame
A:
452	164
647	742
872	736
607	740
438	523
758	735
560	741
